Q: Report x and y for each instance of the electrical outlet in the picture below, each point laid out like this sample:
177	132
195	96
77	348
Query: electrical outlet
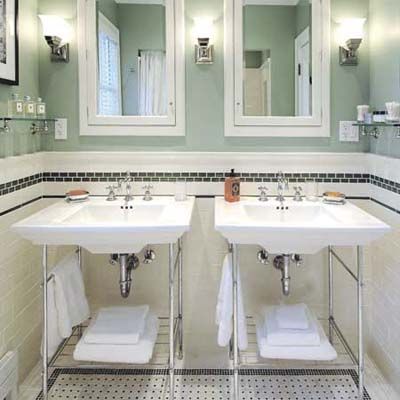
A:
61	129
348	132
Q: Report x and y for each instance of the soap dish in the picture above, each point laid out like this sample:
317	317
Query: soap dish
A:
335	198
76	196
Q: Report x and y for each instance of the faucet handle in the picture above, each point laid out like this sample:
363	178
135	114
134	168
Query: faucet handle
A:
111	193
263	193
297	193
147	194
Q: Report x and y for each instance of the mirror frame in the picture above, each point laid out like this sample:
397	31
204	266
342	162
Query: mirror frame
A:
236	124
92	124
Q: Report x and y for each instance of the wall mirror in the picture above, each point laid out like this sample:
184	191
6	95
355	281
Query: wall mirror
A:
277	67
131	60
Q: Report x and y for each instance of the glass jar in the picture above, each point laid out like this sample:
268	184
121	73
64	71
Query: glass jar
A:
29	107
40	108
15	106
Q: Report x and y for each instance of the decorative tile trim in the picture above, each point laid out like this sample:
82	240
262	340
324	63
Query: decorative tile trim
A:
202	177
386	184
19	184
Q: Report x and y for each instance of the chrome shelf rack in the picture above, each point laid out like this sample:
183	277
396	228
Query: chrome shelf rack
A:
375	129
170	334
334	330
38	125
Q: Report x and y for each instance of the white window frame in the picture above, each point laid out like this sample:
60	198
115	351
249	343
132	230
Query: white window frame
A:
105	25
92	124
237	124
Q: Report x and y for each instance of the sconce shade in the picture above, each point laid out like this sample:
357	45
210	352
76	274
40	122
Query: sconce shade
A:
57	34
351	34
203	32
54	25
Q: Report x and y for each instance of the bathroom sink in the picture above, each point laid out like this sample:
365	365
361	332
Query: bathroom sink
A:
103	227
301	227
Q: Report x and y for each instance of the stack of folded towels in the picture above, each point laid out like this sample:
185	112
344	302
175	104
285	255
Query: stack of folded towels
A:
292	332
119	335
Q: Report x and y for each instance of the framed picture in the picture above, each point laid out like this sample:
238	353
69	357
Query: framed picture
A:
9	68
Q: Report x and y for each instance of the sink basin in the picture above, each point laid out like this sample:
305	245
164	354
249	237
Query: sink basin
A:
102	227
301	227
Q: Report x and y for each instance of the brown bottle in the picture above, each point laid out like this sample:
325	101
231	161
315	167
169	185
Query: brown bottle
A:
232	187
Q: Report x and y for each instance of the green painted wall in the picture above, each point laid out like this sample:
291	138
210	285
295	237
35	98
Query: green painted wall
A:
20	140
274	28
142	27
385	66
303	15
204	89
109	9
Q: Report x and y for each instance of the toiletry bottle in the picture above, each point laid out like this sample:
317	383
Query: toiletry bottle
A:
232	187
40	108
15	106
29	107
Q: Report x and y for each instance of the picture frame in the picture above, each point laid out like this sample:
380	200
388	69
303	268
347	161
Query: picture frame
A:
9	46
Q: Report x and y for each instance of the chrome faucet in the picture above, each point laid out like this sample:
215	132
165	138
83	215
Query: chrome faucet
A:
128	185
283	184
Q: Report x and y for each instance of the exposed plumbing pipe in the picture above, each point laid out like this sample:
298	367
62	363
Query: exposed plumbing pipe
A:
282	263
125	280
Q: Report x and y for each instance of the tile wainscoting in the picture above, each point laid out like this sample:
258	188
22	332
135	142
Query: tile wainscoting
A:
31	179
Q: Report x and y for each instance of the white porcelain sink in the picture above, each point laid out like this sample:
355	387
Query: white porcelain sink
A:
102	227
302	227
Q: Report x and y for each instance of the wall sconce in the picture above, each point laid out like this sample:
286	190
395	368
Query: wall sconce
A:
57	33
351	32
203	34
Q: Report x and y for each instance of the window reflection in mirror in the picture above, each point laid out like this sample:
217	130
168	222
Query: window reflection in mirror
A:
277	59
131	61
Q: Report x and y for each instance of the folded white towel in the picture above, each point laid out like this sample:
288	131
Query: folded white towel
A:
140	353
292	316
54	339
118	325
224	310
71	303
275	336
323	352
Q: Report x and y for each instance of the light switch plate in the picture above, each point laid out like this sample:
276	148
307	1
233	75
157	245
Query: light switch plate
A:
61	129
348	132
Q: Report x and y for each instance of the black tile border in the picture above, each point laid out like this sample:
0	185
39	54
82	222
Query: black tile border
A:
203	372
213	177
253	177
198	177
203	177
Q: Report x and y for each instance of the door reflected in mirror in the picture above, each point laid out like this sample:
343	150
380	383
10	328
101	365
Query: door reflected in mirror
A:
131	48
277	76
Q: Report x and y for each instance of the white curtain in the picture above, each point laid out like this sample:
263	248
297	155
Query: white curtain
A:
152	83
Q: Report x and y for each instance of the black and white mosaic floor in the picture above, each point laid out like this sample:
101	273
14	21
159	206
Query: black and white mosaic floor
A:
111	384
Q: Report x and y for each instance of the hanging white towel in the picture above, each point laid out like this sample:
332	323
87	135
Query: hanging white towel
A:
71	303
140	353
118	325
54	339
224	311
292	316
276	336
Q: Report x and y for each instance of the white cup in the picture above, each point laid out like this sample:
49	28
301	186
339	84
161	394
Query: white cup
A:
180	191
393	111
311	190
362	111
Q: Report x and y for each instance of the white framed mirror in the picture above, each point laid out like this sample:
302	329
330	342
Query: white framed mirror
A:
131	67
277	68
